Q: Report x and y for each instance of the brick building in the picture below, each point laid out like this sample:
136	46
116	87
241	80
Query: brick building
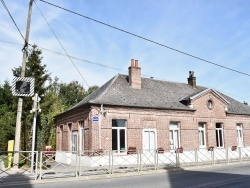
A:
131	111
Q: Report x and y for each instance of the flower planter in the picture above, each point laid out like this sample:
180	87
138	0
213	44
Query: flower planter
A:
131	150
210	148
234	148
179	150
160	150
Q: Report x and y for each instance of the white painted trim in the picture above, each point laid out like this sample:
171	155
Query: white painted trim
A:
153	130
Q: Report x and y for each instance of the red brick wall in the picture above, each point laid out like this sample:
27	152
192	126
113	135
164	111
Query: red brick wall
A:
138	119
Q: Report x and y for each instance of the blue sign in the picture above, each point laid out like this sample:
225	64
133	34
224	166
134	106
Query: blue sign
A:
95	118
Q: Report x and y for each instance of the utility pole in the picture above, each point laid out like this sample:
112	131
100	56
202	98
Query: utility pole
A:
20	100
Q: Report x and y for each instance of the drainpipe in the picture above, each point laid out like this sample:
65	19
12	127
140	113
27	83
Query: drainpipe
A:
99	131
101	112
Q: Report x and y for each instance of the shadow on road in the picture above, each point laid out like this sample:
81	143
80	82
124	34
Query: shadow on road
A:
16	180
203	178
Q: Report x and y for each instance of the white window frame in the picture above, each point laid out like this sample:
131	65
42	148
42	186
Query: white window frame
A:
174	127
118	136
155	138
239	133
202	134
74	141
61	137
70	135
220	137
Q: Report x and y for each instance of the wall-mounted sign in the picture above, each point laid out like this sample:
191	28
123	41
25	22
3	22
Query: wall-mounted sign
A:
95	118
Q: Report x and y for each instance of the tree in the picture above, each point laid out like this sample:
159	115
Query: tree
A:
52	105
35	69
71	93
7	115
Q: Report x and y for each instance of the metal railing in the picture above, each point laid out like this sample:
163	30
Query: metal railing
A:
57	164
10	170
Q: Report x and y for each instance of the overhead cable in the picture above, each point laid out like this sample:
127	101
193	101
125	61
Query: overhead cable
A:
61	44
6	8
146	39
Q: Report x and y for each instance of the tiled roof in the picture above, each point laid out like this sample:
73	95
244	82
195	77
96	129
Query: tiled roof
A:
153	94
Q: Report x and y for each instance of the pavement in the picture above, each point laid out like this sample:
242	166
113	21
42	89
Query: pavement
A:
17	177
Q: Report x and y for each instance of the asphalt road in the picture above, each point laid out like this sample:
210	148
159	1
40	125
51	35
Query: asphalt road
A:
229	176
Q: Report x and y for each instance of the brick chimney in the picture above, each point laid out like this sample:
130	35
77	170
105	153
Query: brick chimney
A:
192	79
134	75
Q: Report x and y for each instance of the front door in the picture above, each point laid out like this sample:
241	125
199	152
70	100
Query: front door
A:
174	137
149	139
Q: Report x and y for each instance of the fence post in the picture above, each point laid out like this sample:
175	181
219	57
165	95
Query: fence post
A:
157	159
177	158
76	173
196	156
79	163
112	162
138	160
36	164
240	154
227	156
41	165
212	154
140	151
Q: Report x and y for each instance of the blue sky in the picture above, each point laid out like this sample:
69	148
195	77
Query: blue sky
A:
217	31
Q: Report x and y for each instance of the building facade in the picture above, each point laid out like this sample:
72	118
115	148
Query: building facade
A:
143	113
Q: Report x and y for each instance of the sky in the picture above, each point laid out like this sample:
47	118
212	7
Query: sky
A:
217	31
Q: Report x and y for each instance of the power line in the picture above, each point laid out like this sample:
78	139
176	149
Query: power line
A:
102	65
61	44
73	57
146	39
12	19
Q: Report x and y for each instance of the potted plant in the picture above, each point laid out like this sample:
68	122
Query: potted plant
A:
234	148
210	148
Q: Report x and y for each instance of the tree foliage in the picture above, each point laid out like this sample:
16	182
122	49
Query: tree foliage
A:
56	97
35	69
7	114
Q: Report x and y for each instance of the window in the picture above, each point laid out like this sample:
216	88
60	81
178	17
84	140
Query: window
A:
239	132
74	141
174	135
210	104
219	135
202	135
119	135
70	136
61	137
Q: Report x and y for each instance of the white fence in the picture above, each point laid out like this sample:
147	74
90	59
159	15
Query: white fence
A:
55	164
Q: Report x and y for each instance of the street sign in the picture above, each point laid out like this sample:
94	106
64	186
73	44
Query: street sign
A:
23	86
95	118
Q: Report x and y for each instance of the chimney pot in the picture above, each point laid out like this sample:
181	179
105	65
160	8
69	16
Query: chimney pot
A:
132	62
136	63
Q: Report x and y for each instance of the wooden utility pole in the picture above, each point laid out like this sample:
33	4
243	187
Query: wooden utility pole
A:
20	100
